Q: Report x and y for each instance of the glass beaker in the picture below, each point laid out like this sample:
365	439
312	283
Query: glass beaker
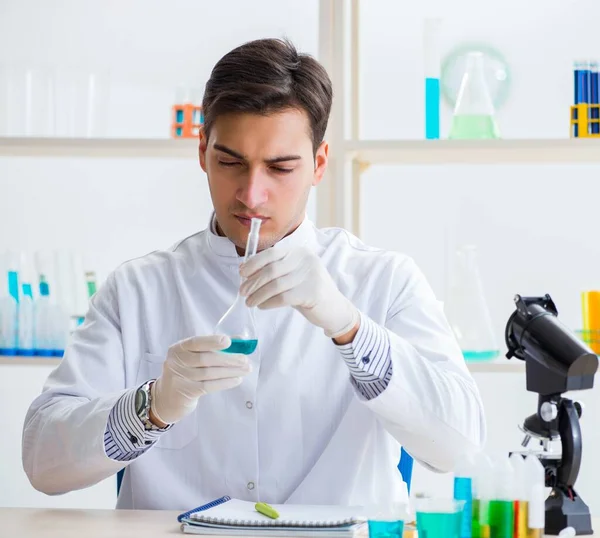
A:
467	310
439	518
387	521
474	116
238	322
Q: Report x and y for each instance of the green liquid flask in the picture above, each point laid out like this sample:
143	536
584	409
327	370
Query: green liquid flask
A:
238	322
474	116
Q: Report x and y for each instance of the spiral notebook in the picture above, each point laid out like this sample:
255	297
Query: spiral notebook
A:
230	516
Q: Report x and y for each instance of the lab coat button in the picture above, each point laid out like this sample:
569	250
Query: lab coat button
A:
250	485
249	404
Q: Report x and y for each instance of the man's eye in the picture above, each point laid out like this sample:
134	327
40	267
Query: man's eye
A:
228	163
281	170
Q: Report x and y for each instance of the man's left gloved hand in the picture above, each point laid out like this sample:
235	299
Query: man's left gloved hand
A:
297	277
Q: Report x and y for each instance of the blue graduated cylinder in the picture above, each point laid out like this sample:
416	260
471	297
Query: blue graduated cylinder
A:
463	492
432	108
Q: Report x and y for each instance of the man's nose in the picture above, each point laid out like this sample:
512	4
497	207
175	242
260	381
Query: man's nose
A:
254	191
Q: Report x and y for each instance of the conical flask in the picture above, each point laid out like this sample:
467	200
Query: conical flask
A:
238	322
467	310
474	112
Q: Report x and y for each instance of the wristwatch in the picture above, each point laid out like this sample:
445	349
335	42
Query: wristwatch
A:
143	399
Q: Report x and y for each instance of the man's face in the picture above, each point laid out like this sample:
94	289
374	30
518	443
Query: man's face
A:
261	166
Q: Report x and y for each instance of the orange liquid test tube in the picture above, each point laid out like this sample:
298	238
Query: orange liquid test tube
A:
590	304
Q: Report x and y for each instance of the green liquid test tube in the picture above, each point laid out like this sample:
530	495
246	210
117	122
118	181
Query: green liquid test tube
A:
502	521
483	492
484	519
475	526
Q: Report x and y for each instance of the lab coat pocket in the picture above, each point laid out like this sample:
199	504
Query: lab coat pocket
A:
183	432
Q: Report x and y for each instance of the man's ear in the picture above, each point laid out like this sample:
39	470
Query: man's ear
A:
202	148
321	159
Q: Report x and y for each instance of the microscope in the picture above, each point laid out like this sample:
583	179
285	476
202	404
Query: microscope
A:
556	361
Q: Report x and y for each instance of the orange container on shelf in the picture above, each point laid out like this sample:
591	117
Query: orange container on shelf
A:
186	120
590	307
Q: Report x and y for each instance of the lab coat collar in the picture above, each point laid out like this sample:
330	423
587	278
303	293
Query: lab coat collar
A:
304	235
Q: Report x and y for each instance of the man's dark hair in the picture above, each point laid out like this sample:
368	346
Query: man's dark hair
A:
267	76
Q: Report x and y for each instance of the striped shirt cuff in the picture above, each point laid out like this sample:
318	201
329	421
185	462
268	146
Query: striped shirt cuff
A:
368	358
125	437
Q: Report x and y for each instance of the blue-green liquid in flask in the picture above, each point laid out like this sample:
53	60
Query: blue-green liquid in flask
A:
245	347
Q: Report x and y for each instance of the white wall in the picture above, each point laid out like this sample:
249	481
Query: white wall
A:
112	210
531	224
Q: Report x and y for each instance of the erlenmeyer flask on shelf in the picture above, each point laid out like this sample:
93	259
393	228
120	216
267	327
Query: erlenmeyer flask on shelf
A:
238	322
467	310
474	116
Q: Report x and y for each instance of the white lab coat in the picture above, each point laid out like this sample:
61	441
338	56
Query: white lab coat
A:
296	430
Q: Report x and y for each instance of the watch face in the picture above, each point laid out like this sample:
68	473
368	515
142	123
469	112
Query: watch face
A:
140	400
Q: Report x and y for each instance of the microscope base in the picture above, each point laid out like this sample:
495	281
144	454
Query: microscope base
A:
563	512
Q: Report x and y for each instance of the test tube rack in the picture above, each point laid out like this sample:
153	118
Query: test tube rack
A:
187	120
583	117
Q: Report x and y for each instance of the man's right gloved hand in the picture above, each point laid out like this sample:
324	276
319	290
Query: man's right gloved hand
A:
193	368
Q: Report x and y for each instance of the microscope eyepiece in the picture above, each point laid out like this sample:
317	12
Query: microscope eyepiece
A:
556	360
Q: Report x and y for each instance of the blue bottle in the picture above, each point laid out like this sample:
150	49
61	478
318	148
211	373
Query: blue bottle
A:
595	97
9	297
463	491
8	325
26	322
43	322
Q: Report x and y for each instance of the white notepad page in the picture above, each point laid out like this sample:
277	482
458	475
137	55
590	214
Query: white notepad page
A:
243	513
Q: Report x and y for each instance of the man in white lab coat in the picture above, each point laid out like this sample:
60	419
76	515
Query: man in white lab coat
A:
354	360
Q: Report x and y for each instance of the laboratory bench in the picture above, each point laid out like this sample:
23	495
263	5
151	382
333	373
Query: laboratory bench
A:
64	523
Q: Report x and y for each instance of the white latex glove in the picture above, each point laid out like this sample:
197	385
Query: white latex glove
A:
193	368
278	277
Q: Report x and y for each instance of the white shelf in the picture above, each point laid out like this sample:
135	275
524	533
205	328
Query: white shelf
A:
501	366
29	361
364	151
100	147
504	367
474	151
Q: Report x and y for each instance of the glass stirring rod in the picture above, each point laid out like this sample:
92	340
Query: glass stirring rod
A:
238	322
252	242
